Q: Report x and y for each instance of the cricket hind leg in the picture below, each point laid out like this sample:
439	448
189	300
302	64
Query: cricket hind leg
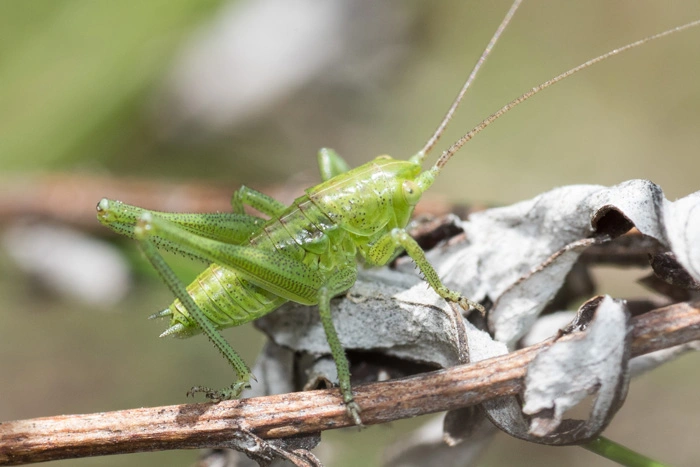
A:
224	227
339	283
208	329
271	270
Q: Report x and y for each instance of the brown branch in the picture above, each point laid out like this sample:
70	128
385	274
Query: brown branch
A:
190	426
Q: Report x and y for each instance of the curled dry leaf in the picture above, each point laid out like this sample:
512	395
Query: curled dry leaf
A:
563	375
512	251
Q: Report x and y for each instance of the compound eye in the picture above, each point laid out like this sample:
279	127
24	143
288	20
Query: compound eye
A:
411	192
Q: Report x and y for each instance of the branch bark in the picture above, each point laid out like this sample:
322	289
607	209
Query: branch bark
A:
191	426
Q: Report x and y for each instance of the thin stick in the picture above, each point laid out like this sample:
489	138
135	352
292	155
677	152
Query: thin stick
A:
453	108
191	426
460	142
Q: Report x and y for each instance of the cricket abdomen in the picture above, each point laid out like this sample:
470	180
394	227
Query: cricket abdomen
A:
226	299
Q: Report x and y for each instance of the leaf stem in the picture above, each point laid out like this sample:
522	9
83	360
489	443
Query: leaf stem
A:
619	453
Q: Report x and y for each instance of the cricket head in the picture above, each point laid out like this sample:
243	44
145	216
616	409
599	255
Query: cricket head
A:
394	189
411	181
408	183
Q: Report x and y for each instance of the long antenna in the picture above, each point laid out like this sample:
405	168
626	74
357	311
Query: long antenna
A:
453	108
460	142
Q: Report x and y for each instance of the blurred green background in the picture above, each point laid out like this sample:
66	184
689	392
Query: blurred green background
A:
91	88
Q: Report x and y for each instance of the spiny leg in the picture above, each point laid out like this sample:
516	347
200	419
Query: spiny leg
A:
385	247
257	200
339	283
276	272
224	227
141	233
331	164
417	254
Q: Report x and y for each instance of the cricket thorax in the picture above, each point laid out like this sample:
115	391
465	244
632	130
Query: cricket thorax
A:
368	199
308	235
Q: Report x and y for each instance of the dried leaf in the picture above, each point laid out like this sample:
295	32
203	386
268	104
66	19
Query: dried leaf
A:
518	256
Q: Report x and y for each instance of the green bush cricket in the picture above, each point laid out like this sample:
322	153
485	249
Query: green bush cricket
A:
306	252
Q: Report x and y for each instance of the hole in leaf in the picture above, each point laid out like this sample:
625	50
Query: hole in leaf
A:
582	410
610	221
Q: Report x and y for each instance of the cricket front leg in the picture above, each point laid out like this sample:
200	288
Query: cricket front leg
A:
180	291
383	250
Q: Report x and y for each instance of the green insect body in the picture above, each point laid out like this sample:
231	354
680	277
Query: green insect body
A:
325	230
306	252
